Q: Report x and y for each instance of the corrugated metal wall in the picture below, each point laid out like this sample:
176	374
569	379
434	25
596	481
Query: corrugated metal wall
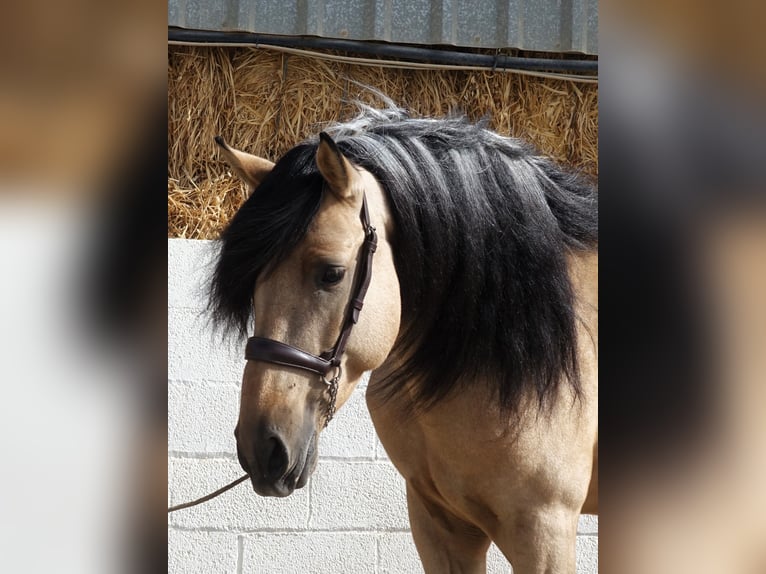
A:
537	25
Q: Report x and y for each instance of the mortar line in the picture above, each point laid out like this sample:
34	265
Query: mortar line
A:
202	455
309	497
200	308
286	530
336	458
186	382
377	462
240	553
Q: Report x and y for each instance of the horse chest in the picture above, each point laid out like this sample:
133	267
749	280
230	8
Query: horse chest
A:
438	458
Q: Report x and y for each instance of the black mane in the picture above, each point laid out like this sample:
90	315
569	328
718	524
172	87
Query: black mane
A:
483	225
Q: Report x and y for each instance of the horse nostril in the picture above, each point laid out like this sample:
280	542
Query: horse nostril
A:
276	458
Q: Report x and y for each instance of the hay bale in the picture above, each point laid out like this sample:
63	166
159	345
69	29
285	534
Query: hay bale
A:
265	102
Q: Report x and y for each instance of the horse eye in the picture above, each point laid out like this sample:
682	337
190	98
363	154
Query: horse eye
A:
333	275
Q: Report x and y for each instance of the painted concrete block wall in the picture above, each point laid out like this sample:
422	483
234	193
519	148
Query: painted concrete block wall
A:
350	518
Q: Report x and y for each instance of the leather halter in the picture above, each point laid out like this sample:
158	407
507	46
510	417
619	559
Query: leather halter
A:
271	351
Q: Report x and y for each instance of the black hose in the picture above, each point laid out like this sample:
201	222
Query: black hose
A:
399	52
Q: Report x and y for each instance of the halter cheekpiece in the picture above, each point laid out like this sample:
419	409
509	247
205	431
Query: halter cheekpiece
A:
271	351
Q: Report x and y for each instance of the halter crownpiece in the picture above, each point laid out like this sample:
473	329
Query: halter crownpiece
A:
278	353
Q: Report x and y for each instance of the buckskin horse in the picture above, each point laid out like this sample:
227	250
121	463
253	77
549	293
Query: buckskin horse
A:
460	267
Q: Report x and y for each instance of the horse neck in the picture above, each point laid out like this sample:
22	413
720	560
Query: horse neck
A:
583	273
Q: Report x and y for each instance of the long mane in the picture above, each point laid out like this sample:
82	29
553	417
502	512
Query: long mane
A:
483	227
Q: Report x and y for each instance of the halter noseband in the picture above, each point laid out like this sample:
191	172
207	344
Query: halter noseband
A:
271	351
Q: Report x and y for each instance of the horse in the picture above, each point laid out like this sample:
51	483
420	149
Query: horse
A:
457	265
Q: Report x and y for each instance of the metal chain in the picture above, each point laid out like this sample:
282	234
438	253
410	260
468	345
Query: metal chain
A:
332	389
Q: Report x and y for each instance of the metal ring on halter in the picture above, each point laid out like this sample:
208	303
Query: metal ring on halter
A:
333	380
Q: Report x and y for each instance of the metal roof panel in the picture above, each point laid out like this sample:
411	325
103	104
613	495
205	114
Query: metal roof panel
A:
535	25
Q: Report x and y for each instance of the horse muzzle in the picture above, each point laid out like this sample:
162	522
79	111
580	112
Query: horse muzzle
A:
275	467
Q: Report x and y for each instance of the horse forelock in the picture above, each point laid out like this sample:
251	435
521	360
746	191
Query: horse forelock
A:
261	235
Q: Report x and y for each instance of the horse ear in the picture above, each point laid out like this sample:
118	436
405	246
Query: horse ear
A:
250	168
341	177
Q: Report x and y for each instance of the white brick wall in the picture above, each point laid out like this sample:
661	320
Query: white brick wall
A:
350	518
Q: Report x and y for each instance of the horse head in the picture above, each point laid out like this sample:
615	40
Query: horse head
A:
301	300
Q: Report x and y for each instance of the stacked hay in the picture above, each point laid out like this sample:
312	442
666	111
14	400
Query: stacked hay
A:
264	102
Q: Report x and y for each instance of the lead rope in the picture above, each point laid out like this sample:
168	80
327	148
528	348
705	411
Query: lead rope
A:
210	496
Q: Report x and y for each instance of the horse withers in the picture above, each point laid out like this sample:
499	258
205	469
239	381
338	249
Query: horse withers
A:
460	267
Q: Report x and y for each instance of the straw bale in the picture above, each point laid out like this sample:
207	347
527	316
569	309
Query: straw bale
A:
265	102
